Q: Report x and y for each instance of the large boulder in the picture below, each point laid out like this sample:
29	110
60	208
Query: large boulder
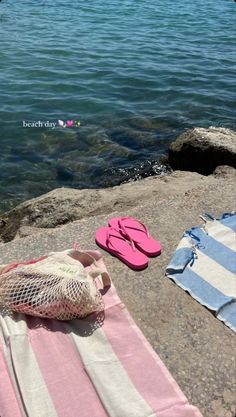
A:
202	150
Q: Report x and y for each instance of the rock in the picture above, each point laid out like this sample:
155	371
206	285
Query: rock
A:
202	150
224	171
64	174
30	230
64	205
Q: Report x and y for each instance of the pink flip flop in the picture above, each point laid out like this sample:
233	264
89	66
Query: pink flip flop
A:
112	241
137	232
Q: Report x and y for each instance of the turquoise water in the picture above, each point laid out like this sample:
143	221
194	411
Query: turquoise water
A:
135	73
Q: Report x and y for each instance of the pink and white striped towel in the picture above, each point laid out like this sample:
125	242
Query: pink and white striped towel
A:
84	368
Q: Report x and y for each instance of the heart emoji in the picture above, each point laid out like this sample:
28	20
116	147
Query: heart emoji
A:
69	123
77	123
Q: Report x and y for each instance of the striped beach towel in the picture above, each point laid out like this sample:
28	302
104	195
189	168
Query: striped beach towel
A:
100	366
204	264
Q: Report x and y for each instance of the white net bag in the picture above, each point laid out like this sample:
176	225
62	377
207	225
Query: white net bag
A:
57	286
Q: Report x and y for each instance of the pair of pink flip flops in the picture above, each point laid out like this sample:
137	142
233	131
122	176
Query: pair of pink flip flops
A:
129	240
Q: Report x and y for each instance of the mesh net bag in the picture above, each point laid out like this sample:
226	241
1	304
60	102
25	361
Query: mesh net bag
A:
57	286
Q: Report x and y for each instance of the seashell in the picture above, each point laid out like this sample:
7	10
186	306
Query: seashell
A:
61	123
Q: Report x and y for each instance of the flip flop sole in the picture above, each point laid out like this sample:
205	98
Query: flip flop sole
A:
100	239
150	254
149	246
135	268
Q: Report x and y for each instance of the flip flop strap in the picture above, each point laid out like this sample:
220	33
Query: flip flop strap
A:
123	227
111	246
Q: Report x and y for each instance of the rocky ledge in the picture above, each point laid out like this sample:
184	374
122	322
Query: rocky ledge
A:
196	347
202	150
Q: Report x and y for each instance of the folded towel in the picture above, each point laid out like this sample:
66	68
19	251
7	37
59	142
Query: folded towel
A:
209	275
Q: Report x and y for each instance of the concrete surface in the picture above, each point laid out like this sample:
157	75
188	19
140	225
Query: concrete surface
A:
198	349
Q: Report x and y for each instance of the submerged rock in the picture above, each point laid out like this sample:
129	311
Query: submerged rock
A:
64	173
202	150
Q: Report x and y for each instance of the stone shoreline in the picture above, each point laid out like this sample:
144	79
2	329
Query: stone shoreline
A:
195	346
200	150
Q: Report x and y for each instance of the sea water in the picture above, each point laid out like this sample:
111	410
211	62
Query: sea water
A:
124	78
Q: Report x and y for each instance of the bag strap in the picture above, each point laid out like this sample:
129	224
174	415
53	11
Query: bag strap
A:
92	259
9	267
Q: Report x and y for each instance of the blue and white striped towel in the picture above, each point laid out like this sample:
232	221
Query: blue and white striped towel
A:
204	264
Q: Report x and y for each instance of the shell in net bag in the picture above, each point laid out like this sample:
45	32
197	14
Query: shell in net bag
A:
60	286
